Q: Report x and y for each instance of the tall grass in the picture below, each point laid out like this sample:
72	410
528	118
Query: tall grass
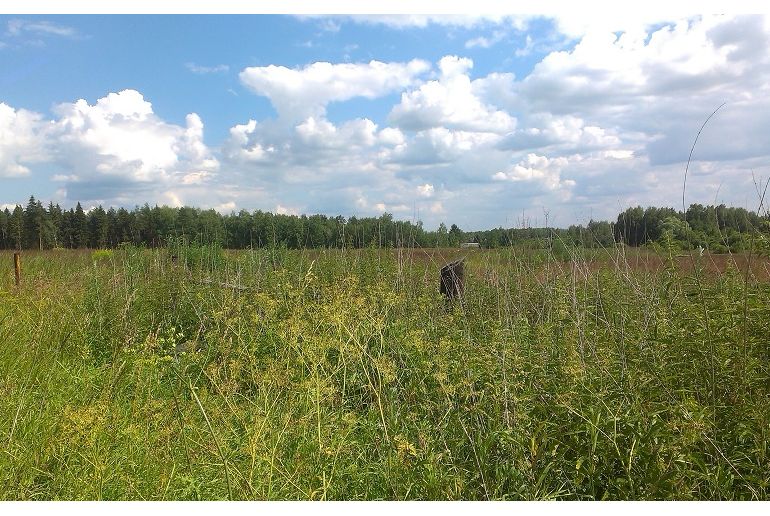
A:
273	374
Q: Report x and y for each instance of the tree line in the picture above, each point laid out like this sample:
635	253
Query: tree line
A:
716	228
36	226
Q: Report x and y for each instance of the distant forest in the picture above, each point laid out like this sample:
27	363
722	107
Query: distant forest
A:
716	228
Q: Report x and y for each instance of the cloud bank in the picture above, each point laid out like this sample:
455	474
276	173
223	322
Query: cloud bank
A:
604	122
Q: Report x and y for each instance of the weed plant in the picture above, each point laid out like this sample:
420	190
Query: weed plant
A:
337	374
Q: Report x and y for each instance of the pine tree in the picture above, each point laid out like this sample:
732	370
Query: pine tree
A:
79	228
112	225
55	216
66	228
125	229
98	228
16	228
5	232
31	219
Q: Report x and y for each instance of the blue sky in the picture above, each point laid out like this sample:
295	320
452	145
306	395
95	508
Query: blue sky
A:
470	120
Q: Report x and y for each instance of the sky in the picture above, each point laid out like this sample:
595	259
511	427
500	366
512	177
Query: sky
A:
481	121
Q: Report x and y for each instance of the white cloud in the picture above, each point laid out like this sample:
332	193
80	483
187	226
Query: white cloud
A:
529	45
21	141
438	145
18	27
449	102
322	134
609	74
560	133
243	144
595	126
540	170
405	21
330	25
118	145
225	207
172	199
299	93
649	92
486	42
65	178
579	23
437	208
354	161
382	207
202	70
286	210
313	150
314	143
391	136
121	136
425	190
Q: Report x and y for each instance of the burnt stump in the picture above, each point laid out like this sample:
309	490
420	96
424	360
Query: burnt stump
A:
452	279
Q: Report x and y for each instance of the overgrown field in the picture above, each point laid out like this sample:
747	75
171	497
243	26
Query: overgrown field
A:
275	374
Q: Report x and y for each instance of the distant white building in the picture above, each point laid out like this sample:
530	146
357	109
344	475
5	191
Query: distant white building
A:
470	245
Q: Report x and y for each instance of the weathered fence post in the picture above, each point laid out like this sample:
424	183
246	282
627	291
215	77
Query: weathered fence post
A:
17	267
452	279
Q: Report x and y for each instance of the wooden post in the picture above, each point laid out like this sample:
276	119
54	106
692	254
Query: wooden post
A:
17	267
452	279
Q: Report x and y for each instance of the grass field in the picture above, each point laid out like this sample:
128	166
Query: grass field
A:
274	374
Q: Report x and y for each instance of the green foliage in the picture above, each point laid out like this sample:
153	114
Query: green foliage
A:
102	254
194	255
717	228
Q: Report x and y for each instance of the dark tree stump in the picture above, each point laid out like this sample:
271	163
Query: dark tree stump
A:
17	267
452	276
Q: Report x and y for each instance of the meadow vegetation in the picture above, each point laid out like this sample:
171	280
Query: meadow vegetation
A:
343	374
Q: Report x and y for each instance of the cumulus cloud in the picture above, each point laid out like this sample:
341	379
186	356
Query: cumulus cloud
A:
541	170
313	143
120	139
372	164
391	136
564	132
425	190
299	93
446	135
609	75
623	110
449	102
225	207
659	86
21	141
621	105
113	150
439	145
597	124
244	145
286	210
322	134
